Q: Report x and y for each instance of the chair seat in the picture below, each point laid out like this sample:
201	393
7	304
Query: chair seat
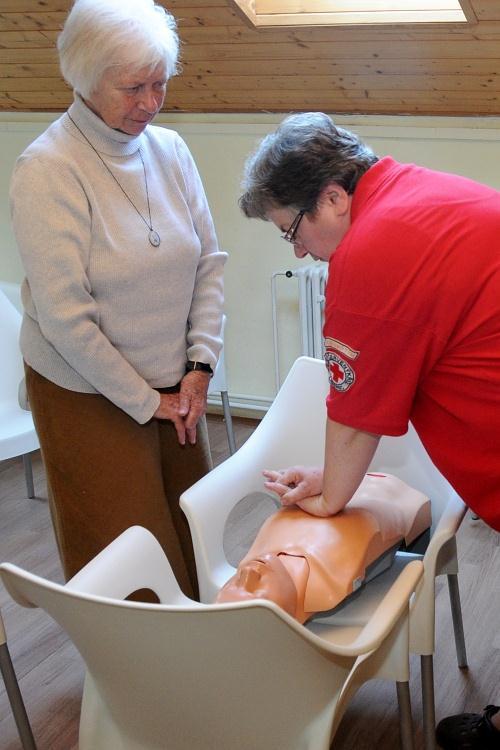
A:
17	431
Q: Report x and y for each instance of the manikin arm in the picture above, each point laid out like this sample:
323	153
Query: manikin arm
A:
348	453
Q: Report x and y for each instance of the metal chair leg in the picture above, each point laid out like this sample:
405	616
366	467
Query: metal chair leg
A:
28	474
15	699
428	701
229	422
405	718
458	625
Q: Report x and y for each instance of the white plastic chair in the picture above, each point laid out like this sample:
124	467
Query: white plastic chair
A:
186	676
218	384
293	432
17	431
13	292
407	458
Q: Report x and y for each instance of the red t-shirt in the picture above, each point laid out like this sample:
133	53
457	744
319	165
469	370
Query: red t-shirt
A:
412	321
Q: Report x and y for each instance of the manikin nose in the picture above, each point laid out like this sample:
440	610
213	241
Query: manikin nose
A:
249	578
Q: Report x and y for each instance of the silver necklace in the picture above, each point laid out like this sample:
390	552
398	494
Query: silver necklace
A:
153	236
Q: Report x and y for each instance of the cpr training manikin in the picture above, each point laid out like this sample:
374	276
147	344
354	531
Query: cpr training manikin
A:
307	564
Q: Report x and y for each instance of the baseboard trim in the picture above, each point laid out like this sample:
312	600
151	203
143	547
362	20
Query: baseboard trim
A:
242	405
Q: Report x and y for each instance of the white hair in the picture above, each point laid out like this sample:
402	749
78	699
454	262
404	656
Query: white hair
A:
100	34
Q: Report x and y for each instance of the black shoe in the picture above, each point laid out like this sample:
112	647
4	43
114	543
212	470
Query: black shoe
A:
469	731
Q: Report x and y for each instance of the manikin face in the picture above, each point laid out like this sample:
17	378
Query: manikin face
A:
320	233
128	99
263	578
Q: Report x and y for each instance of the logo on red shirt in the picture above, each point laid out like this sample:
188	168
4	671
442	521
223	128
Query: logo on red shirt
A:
341	374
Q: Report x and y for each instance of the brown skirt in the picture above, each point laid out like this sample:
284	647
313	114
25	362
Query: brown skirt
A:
105	472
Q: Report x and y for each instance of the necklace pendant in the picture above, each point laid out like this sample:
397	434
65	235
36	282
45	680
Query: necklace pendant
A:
154	238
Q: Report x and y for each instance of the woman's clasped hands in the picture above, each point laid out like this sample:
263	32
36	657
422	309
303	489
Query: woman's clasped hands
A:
185	408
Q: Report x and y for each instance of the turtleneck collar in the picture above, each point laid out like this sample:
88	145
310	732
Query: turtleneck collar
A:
103	138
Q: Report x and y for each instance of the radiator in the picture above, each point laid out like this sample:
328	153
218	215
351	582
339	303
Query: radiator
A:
311	282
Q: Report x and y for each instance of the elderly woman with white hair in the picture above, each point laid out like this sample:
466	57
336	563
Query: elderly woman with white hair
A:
123	292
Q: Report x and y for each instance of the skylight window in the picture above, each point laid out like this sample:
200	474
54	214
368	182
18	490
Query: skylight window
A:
269	13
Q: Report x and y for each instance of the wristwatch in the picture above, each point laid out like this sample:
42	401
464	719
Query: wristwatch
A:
192	366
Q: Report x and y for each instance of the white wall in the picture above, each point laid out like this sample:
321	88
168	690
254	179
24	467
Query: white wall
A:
220	144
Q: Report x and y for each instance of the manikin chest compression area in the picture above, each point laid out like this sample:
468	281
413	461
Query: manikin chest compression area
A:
307	564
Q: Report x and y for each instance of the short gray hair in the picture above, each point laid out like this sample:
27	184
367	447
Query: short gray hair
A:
291	166
100	34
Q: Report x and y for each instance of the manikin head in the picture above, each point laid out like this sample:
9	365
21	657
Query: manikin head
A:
262	578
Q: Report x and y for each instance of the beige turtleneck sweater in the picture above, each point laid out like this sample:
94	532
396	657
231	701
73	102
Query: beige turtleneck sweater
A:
105	311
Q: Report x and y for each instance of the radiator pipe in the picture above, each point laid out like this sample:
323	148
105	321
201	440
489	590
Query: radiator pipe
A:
277	375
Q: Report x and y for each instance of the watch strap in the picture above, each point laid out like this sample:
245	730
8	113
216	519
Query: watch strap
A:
193	366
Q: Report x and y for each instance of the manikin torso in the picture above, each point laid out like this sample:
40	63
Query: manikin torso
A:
308	564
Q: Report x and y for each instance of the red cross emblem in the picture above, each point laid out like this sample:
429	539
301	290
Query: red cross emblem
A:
336	372
341	374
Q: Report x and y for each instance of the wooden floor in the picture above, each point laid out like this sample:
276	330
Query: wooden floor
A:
51	673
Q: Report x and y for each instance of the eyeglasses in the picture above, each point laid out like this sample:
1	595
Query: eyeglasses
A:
292	230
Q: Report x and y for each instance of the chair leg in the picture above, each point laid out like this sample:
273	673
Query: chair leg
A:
229	422
458	625
15	699
28	474
428	704
405	718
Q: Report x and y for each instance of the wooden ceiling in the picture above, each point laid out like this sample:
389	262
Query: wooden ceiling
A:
230	67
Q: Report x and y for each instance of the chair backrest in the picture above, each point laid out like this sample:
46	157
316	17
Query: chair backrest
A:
293	429
193	676
12	291
291	432
11	371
